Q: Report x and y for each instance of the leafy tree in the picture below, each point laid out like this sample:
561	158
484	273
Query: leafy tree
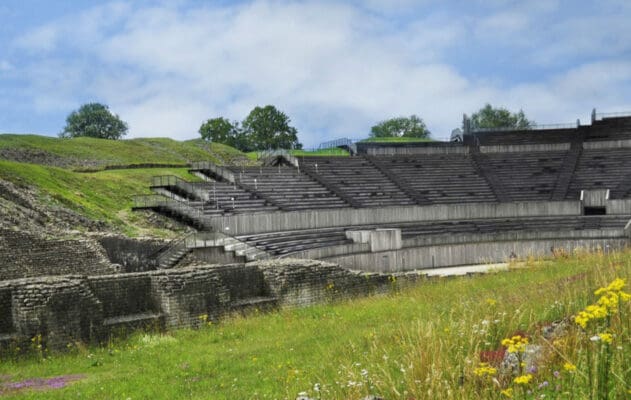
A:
491	117
219	130
266	127
94	120
411	126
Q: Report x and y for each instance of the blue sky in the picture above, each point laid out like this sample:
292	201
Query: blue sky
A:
336	68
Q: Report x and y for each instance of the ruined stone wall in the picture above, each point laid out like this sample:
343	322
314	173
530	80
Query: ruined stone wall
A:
133	255
68	308
25	255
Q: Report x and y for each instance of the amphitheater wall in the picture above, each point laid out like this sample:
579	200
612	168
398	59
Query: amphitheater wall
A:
132	254
619	206
466	254
65	309
606	144
517	148
297	220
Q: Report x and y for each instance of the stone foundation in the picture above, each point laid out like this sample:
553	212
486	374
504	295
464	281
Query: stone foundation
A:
65	309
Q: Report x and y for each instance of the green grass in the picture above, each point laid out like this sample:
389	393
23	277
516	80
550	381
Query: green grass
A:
422	342
104	195
101	152
396	140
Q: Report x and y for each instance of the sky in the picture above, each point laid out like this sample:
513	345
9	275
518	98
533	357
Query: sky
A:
335	68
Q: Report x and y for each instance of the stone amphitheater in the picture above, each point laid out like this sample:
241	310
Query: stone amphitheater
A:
299	230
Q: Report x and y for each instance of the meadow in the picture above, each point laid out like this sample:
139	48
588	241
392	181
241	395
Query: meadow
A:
442	338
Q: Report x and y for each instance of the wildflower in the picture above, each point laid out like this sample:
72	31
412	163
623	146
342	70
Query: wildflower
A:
507	392
484	370
569	367
516	344
606	337
491	302
557	374
523	379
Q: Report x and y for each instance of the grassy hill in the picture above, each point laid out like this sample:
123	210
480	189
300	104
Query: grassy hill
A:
425	342
100	152
55	170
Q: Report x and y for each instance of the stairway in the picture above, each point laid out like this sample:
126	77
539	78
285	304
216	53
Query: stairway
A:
564	178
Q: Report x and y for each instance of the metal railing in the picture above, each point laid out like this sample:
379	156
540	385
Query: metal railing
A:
220	171
336	143
540	127
178	207
601	116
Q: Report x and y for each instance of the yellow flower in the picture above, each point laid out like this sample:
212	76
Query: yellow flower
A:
606	337
516	344
491	302
569	367
615	286
523	379
507	392
484	370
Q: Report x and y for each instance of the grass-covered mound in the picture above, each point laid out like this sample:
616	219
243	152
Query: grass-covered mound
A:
424	342
94	178
92	152
104	196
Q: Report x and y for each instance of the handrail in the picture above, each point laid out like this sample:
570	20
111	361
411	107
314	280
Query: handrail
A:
174	181
156	201
336	143
540	127
601	116
221	171
184	243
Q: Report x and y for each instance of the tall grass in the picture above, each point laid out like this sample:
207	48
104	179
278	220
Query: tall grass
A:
418	343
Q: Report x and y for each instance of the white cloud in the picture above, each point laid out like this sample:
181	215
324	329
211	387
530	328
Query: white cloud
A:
334	68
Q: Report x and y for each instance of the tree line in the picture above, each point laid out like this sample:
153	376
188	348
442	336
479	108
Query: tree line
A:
269	128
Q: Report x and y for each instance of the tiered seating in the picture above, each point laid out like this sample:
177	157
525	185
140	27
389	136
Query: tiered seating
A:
282	243
601	169
358	179
287	188
610	129
439	179
524	176
549	136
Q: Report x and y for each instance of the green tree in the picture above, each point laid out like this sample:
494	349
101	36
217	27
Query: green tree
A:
411	126
490	117
220	130
94	120
266	127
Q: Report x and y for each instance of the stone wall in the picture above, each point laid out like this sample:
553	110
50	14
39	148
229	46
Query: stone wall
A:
65	309
133	255
24	255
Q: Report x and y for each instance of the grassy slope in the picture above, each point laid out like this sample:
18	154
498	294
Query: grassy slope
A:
105	195
419	343
112	152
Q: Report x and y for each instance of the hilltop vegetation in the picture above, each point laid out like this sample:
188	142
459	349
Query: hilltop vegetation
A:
93	152
428	341
44	185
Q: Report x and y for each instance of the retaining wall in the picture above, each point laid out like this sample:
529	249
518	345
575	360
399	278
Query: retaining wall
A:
298	220
65	309
434	256
24	255
517	148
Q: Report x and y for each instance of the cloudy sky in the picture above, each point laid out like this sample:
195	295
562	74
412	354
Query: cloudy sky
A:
336	68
